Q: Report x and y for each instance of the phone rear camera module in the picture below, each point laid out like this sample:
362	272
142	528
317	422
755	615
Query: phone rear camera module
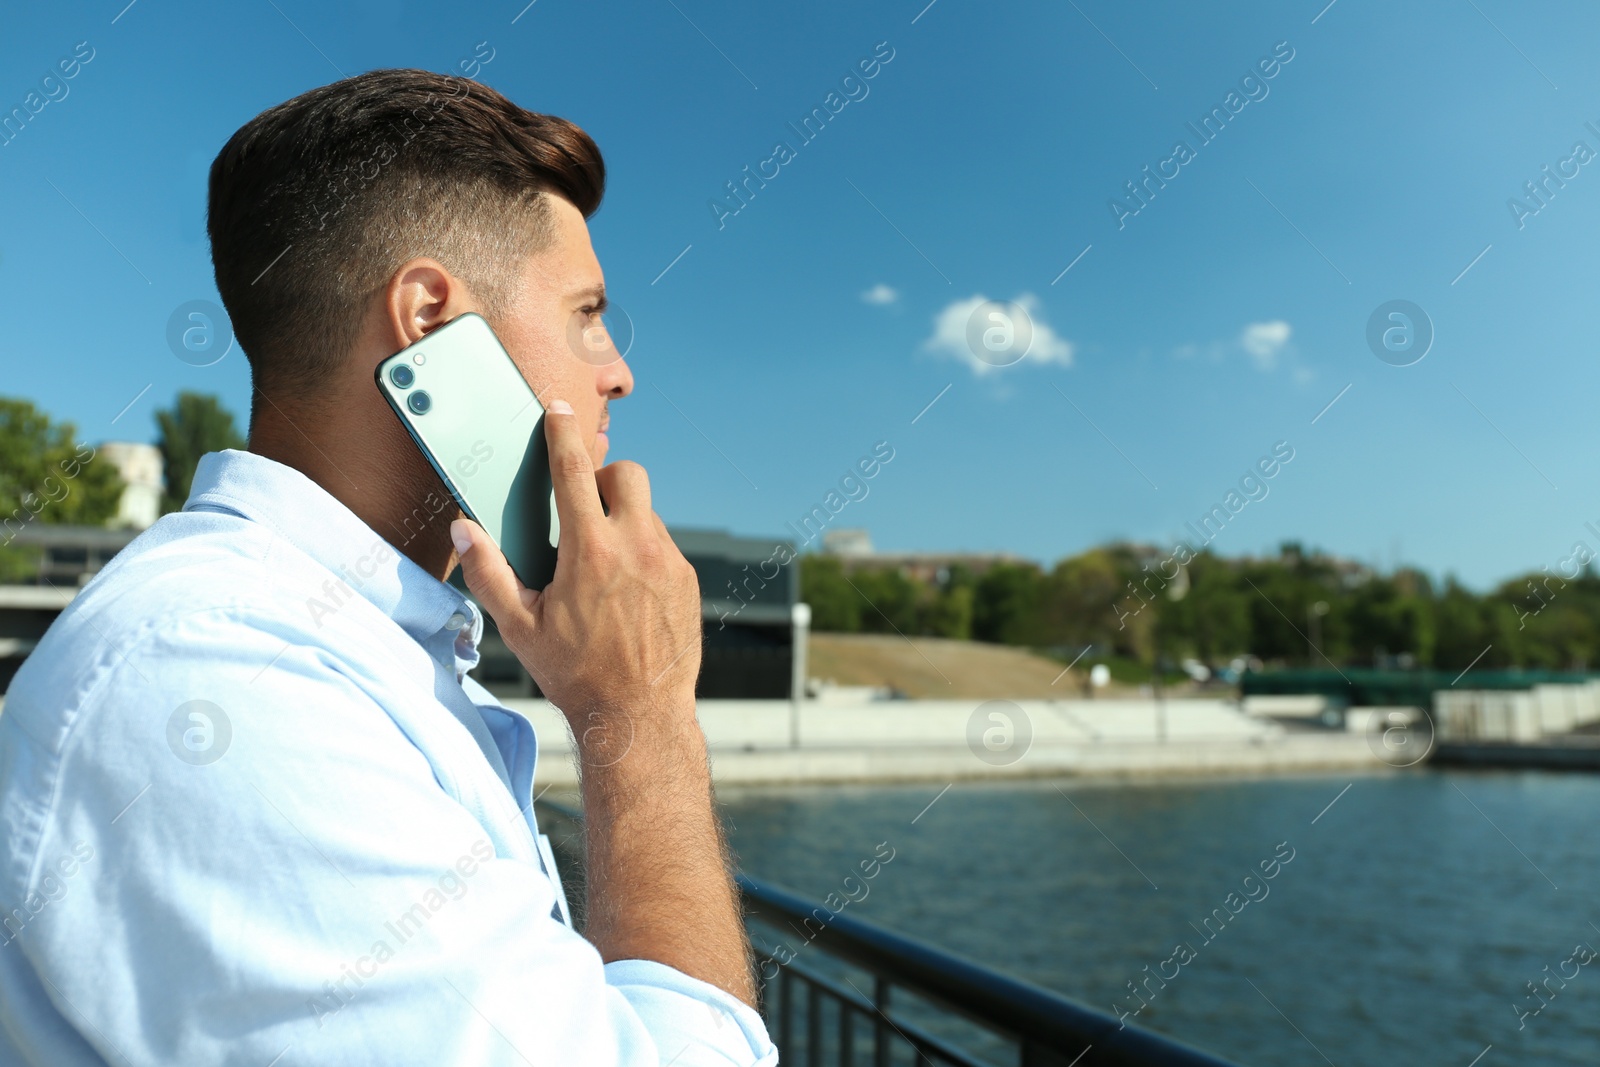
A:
402	376
419	402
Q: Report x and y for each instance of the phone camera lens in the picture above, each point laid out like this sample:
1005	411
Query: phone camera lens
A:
419	402
402	376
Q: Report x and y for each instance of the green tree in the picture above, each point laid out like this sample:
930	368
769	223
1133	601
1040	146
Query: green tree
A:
947	612
891	601
1118	598
1392	615
195	425
1212	621
1005	603
46	477
1555	620
1077	602
835	607
1464	630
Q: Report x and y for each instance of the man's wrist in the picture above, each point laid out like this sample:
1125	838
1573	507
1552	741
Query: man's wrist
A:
652	729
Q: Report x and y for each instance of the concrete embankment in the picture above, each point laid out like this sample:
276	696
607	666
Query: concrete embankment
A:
1571	754
755	741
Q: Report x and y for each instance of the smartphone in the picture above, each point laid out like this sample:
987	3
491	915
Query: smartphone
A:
481	428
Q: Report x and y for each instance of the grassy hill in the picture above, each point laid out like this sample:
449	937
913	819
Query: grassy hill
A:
936	667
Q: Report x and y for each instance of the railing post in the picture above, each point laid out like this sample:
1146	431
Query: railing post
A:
813	1025
785	1011
881	1049
847	1034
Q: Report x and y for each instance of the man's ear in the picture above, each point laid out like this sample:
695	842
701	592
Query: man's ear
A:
420	297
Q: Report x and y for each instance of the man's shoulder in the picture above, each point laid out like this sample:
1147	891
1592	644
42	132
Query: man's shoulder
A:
187	561
218	576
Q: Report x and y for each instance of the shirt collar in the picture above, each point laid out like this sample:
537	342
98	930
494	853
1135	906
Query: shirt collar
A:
434	613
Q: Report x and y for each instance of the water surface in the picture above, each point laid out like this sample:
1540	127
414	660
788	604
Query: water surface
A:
1405	928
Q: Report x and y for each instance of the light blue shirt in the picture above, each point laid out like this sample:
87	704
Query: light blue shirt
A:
254	811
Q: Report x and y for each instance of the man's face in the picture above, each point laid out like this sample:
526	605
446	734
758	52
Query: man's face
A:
554	333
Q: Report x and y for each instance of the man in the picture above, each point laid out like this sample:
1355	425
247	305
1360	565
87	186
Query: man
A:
253	809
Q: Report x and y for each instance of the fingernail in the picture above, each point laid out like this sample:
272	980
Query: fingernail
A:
459	536
559	407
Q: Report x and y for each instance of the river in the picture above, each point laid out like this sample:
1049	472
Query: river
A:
1404	927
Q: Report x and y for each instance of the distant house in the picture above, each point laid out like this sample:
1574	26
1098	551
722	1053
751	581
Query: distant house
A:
850	542
141	469
853	546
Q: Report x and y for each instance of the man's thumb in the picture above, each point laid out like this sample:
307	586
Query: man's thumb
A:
489	577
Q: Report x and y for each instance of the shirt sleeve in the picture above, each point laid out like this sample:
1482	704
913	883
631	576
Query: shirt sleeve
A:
676	1009
270	871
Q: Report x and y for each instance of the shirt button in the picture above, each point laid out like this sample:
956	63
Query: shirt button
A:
455	622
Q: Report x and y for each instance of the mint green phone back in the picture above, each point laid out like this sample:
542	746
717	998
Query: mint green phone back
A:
483	433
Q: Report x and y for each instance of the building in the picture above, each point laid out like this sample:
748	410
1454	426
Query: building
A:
854	547
752	598
26	612
68	556
850	542
141	469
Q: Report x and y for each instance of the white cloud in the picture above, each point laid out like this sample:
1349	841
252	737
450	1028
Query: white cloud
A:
1265	341
881	294
1269	345
950	335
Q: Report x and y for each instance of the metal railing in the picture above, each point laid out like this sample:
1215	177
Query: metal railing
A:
819	1016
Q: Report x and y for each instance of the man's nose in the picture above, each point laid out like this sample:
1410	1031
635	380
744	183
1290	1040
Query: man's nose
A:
614	380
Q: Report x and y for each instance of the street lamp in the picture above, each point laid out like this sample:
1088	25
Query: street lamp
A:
1176	591
800	629
1314	615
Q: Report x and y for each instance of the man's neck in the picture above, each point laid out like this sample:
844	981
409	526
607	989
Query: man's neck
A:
374	470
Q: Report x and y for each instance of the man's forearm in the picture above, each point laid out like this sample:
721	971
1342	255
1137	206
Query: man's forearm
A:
659	885
614	641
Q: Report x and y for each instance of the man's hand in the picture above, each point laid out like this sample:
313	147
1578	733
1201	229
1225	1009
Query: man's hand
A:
615	637
614	642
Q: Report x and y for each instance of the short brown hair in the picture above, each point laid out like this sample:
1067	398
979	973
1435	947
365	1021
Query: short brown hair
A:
344	183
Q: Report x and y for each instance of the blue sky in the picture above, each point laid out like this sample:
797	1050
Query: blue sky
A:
825	315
